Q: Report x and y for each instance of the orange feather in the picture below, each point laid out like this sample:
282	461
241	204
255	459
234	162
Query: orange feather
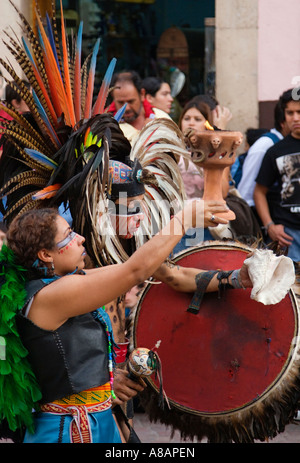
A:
47	192
66	69
54	77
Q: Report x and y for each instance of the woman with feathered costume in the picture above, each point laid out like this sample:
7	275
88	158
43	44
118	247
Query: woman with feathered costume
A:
68	151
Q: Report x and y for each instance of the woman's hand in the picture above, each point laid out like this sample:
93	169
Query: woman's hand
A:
221	117
203	214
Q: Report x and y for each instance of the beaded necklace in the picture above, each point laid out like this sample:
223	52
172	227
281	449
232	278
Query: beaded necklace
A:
100	316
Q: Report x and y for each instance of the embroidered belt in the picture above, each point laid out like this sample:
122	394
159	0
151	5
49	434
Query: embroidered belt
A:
79	405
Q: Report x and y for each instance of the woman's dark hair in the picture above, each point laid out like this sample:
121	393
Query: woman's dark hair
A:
151	85
30	232
3	227
210	100
200	106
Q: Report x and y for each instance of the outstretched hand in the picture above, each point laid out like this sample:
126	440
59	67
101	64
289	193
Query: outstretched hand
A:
203	214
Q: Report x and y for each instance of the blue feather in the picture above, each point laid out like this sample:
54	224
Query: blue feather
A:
41	158
45	118
119	114
95	53
110	71
41	39
28	53
52	41
79	38
102	95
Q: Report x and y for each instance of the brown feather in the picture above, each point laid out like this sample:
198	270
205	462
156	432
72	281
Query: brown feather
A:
36	48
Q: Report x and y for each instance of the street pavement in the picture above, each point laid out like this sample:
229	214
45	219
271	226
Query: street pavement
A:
159	433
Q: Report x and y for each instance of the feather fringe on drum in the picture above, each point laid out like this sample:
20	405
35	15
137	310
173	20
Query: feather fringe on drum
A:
262	420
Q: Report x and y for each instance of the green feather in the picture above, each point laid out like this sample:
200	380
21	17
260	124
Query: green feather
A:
19	391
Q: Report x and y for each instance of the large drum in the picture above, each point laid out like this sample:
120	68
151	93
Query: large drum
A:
231	371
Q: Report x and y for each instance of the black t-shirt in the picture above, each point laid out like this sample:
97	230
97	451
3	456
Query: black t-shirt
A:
280	172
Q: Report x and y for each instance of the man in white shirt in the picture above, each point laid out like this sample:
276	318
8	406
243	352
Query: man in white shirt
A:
127	88
256	154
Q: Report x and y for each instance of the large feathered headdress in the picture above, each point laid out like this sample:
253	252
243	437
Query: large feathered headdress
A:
61	151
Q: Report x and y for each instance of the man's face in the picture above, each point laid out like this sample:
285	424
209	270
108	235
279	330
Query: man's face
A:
125	92
129	215
292	117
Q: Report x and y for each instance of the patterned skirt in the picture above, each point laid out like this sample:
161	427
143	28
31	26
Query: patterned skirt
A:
80	418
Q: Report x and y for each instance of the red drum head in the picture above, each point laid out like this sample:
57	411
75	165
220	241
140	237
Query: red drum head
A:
230	355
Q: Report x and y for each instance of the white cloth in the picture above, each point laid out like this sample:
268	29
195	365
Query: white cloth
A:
131	132
252	164
272	276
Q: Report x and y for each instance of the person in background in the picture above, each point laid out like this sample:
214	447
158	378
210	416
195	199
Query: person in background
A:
13	97
252	135
221	115
158	93
194	116
277	191
127	88
256	153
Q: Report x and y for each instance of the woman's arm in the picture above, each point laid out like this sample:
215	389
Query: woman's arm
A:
72	295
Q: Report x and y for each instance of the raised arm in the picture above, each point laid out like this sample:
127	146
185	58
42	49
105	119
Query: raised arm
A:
72	295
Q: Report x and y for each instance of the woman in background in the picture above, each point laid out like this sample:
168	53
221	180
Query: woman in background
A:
158	93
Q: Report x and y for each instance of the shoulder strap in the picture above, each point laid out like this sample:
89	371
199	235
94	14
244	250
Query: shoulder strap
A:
271	135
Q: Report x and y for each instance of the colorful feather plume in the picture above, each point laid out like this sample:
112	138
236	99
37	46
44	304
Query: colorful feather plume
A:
60	153
60	98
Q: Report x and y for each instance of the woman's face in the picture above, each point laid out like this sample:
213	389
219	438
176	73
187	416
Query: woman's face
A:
162	99
193	119
128	217
70	252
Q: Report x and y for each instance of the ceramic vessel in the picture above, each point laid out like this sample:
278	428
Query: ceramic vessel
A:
213	151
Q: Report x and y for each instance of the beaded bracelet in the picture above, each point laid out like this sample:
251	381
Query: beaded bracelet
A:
266	227
236	280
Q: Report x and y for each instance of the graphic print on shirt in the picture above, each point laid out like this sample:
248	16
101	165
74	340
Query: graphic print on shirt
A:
289	168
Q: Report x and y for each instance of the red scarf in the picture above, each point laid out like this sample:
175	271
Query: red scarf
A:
147	108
